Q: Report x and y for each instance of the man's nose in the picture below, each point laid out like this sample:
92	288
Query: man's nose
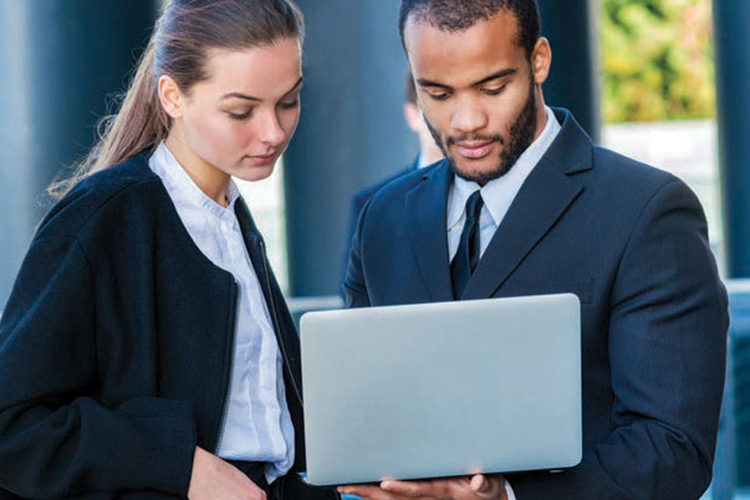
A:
468	117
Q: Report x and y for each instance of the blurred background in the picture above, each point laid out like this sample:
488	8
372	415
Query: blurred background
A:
663	81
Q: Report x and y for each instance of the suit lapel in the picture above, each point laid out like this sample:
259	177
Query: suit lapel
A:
541	202
427	227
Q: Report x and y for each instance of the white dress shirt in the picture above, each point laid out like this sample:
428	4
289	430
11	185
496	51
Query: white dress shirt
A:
498	196
257	426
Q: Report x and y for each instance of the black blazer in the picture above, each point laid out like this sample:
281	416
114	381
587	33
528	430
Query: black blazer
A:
116	342
631	241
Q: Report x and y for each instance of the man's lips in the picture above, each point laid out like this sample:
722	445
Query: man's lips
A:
474	150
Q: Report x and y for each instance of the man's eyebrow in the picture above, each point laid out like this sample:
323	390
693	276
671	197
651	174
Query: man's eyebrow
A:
494	76
423	82
240	95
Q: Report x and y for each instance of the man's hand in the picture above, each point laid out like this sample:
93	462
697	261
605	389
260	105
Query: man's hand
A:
460	488
214	479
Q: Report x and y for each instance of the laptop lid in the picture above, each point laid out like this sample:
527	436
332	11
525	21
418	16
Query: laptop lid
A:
438	390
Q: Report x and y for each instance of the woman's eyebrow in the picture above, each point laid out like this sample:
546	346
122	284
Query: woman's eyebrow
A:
240	95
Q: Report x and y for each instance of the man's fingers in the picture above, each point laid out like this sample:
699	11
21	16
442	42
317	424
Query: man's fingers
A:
487	487
453	487
479	484
368	492
409	489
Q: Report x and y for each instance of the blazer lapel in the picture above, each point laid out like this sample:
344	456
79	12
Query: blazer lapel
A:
427	228
543	199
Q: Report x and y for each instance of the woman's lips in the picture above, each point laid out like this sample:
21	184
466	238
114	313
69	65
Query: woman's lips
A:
262	160
474	151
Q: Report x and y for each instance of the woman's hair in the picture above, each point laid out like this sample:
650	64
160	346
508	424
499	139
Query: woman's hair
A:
179	47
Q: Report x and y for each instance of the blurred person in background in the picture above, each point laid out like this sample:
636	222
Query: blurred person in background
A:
429	153
526	204
146	350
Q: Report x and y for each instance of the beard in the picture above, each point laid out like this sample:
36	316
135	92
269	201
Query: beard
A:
520	136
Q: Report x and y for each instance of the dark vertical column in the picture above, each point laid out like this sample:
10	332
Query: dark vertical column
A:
61	59
732	47
571	28
732	50
352	132
15	142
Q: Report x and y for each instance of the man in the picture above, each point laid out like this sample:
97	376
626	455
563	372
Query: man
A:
525	204
429	153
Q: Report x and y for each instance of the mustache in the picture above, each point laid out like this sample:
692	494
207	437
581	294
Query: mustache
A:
451	141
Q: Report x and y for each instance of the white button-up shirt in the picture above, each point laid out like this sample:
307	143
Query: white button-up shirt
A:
498	194
257	425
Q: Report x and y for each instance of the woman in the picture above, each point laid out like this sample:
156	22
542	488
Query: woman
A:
146	350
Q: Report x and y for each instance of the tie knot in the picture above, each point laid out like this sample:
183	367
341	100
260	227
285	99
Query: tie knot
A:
474	206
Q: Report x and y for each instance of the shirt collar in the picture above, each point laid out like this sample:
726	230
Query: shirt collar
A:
183	189
499	194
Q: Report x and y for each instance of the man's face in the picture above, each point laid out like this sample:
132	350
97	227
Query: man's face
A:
479	92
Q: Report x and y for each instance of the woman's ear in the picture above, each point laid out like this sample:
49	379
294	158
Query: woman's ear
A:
170	96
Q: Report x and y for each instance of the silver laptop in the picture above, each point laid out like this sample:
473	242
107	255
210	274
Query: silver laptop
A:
437	390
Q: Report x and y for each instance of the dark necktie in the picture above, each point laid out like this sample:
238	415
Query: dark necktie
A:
467	257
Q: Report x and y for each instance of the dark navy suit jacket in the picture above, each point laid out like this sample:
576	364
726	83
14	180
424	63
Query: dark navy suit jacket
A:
629	240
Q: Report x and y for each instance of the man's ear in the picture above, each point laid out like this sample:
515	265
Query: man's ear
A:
541	60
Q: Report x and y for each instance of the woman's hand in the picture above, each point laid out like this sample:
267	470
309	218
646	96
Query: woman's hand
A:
215	479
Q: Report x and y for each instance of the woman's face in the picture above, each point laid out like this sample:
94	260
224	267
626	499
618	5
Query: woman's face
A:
242	117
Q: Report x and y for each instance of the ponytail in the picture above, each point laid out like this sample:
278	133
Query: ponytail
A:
140	124
178	48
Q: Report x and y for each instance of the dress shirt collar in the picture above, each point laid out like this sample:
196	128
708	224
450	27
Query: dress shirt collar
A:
499	194
182	188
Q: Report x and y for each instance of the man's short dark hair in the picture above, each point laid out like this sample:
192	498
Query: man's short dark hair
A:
460	15
410	90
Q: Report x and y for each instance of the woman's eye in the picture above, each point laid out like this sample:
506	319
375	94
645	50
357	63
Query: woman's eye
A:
240	116
289	104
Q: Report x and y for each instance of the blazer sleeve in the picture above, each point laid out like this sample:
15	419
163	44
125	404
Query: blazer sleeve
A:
355	209
56	438
355	289
667	350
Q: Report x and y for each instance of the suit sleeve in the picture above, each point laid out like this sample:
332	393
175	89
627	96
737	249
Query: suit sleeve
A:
667	351
56	438
355	289
355	209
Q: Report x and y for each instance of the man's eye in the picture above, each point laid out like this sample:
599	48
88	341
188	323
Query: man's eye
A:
494	91
438	97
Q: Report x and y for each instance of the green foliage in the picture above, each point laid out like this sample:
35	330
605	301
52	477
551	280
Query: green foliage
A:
657	60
